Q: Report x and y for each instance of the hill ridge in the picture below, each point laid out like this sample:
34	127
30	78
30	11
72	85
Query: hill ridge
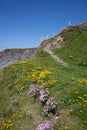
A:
10	56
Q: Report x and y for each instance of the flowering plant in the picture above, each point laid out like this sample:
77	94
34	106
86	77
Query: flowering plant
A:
50	106
33	90
44	94
46	125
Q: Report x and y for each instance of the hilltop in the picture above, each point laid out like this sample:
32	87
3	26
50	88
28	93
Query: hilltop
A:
59	69
70	44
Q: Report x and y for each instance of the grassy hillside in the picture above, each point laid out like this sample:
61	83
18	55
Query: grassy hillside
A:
68	86
74	50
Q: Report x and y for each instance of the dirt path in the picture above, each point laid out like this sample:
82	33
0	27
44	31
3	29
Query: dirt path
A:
56	58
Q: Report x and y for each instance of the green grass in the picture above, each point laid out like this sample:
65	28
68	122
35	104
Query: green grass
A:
74	50
70	91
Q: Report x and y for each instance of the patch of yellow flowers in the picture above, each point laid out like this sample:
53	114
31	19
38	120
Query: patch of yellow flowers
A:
82	81
40	77
6	124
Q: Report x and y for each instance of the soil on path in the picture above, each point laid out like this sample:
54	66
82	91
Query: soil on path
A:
56	58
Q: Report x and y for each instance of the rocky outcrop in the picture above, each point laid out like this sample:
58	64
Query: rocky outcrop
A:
10	56
58	40
52	43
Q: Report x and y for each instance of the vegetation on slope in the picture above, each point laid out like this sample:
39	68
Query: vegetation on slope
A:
75	46
18	111
68	86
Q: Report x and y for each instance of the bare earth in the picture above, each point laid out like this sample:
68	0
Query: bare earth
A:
56	58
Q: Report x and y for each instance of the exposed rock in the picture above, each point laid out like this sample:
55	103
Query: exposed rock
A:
10	56
28	54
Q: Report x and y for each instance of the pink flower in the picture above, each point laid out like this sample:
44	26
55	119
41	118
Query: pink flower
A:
46	125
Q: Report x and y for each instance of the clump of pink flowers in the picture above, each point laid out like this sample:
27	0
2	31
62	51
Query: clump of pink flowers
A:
33	90
46	125
44	94
50	106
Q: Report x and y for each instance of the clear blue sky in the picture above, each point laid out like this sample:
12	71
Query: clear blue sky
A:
23	22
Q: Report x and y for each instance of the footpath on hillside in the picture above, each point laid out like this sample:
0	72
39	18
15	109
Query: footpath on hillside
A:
56	58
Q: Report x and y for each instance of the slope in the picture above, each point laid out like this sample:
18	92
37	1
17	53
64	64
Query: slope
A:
56	58
68	86
75	46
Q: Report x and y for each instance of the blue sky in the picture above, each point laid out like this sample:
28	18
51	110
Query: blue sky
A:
24	22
